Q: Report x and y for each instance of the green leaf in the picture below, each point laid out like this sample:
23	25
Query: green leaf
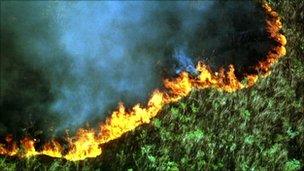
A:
249	139
157	123
292	165
194	135
151	158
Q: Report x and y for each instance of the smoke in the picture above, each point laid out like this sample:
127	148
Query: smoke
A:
96	54
83	58
184	62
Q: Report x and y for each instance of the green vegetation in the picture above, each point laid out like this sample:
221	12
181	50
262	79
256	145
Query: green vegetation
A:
260	128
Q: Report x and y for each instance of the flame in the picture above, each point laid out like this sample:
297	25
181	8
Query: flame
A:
122	120
86	143
52	149
28	147
11	149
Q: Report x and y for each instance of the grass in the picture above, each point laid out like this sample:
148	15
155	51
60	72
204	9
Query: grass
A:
260	128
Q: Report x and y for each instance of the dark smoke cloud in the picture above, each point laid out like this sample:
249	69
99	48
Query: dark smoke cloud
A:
84	57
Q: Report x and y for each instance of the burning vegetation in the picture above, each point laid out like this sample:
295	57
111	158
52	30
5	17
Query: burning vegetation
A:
87	142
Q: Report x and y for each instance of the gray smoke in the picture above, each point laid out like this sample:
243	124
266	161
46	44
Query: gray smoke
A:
184	62
67	63
96	54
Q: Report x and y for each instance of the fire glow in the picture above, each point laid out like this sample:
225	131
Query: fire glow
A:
86	143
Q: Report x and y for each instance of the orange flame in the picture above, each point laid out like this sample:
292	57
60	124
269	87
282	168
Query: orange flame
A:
87	142
52	149
10	150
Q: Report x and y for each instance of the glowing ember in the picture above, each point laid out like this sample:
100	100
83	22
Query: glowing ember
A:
87	142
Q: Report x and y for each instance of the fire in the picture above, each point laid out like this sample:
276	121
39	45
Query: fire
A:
52	148
180	87
122	120
11	149
273	26
86	143
28	147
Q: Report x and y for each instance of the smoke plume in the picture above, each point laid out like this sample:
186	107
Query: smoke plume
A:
67	63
